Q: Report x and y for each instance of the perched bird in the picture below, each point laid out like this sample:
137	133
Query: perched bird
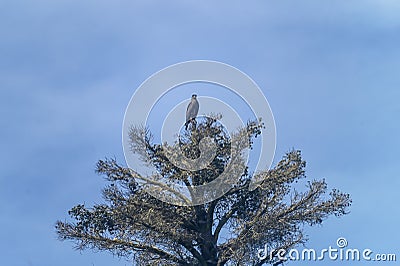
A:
191	111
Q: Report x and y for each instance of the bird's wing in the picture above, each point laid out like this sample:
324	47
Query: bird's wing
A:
189	111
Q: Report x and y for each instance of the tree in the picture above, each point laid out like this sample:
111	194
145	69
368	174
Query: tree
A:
225	231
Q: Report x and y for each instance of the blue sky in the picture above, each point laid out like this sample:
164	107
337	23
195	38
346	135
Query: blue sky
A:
329	70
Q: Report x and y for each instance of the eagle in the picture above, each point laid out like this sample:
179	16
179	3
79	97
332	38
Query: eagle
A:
191	111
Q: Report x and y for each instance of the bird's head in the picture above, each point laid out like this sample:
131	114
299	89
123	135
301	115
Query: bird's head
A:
194	96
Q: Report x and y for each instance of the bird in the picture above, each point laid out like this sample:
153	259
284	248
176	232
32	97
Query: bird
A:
191	111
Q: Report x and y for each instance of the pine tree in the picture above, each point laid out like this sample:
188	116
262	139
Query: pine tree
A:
225	231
